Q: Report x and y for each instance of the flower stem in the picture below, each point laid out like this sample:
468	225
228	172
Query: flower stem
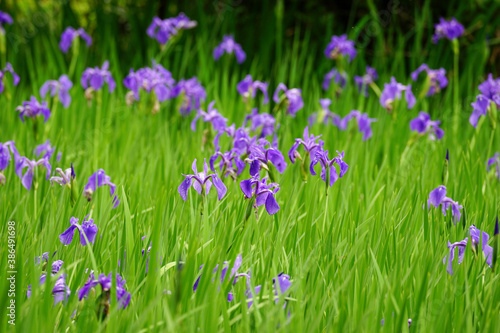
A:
74	57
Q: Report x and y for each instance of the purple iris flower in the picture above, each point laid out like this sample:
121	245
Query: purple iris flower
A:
27	178
60	291
447	29
338	77
5	154
328	169
340	46
392	91
219	123
122	295
292	97
10	69
309	142
202	182
490	94
70	34
230	163
60	87
66	176
33	109
87	227
156	79
423	124
98	179
248	88
4	18
262	192
363	120
438	197
228	45
261	156
362	82
261	120
491	162
480	237
436	77
448	259
193	93
163	30
97	77
325	115
281	285
44	147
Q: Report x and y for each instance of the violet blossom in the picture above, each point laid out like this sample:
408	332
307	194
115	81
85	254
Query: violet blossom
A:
192	94
61	290
8	69
490	95
33	109
324	115
60	87
87	228
44	147
66	177
491	161
98	179
156	79
261	120
281	285
328	170
263	193
340	46
423	124
230	163
70	34
248	88
310	144
438	197
392	91
291	97
436	78
202	182
5	158
451	29
27	178
212	116
339	78
228	45
363	120
163	30
262	154
97	77
362	82
4	19
122	295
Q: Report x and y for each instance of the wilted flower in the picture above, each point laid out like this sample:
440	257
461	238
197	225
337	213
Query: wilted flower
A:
392	91
490	94
97	77
309	142
491	161
122	295
163	30
438	197
339	78
447	29
156	79
260	120
328	169
4	18
27	178
33	109
212	116
340	46
436	77
10	69
423	124
262	192
362	82
87	227
292	97
248	88
193	93
202	182
60	87
69	35
98	179
228	45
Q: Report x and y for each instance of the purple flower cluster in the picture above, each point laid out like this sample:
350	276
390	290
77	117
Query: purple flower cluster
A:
340	46
423	124
438	197
156	79
229	46
8	69
33	109
437	79
96	77
70	34
451	29
163	30
490	95
362	82
60	87
99	179
392	91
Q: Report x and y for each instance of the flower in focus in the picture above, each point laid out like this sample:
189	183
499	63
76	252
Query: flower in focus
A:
248	88
202	182
448	259
163	30
447	29
33	109
70	34
87	228
340	79
328	170
309	142
228	45
262	192
156	79
292	98
27	178
340	46
491	161
362	82
98	179
230	163
60	87
66	176
438	197
212	116
192	94
490	95
8	68
96	77
392	91
260	156
436	78
423	124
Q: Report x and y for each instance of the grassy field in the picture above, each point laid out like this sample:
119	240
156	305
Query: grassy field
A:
366	252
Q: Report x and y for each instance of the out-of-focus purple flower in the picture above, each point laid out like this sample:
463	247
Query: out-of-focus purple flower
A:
4	19
230	163
292	97
219	123
87	227
122	295
44	147
262	192
491	161
5	154
202	182
447	29
363	120
480	108
98	179
60	291
392	91
248	88
33	109
480	237
163	30
70	34
339	78
325	115
228	45
340	46
490	94
328	169
261	120
8	68
156	79
423	124
27	178
193	93
438	197
97	77
281	285
362	82
309	142
437	78
60	87
65	178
